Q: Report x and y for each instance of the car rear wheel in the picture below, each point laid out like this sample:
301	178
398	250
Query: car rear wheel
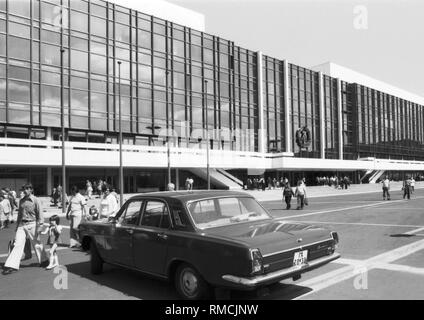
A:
96	261
190	284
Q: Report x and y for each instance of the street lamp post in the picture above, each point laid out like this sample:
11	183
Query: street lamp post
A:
169	158
167	134
207	137
121	169
62	111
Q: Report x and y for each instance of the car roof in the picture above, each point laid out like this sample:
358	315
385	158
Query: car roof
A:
192	195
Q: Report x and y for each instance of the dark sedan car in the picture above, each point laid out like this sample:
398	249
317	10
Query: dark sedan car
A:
206	239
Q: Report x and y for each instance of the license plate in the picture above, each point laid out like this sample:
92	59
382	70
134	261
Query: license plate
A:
300	258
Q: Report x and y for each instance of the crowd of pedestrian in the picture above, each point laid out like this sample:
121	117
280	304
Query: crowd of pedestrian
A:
334	181
264	184
30	221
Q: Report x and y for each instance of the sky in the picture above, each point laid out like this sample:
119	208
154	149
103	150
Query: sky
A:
383	39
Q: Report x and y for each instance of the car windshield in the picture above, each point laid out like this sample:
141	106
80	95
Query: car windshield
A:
216	212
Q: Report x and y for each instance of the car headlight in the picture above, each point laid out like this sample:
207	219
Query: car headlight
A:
335	236
256	259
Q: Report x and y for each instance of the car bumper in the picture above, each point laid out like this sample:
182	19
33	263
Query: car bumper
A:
265	279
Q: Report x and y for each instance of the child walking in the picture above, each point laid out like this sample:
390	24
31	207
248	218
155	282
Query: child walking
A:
54	231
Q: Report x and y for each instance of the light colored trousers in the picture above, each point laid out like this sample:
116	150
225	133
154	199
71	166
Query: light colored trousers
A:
25	230
74	236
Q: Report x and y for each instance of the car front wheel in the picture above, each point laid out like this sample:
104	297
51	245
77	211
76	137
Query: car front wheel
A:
95	261
190	284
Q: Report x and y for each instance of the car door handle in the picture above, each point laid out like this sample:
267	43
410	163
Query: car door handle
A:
162	236
130	231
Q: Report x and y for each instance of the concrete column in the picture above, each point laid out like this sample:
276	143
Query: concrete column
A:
261	131
321	116
340	117
287	108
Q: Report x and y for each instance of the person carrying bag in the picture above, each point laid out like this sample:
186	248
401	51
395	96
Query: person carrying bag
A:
288	194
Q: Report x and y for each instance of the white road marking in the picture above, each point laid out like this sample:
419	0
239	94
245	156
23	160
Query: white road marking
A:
401	268
362	224
385	266
335	210
345	209
336	276
352	262
414	231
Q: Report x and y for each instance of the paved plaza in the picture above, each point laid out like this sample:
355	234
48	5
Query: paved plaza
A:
381	243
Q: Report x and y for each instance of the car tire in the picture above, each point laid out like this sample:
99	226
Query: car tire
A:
96	262
189	283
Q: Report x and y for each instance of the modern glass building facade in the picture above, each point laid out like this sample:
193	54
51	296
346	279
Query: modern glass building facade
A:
163	74
174	77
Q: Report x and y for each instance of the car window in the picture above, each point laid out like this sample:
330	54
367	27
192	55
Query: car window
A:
232	205
155	215
216	212
179	217
204	211
131	213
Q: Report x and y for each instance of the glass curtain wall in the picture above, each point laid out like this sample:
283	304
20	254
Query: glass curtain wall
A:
388	127
163	72
331	119
274	108
304	104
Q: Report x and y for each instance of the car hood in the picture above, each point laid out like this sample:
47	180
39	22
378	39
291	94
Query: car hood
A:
271	236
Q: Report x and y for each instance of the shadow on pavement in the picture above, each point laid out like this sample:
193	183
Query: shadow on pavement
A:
128	282
140	286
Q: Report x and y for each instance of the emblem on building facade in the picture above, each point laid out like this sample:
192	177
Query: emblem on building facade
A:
303	137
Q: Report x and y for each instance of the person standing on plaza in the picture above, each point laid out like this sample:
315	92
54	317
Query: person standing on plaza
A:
300	194
407	188
114	193
54	231
288	194
386	188
75	213
100	187
412	185
55	197
170	187
108	204
269	183
12	201
5	208
3	217
30	220
59	192
89	188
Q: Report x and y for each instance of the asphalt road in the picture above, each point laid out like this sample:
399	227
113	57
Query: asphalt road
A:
381	243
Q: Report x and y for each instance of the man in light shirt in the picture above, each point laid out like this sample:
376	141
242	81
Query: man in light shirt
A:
29	223
386	188
108	204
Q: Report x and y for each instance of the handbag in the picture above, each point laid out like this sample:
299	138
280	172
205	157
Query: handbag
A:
10	246
306	201
27	248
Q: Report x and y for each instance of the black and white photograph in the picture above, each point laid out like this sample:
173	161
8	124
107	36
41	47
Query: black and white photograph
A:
233	151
